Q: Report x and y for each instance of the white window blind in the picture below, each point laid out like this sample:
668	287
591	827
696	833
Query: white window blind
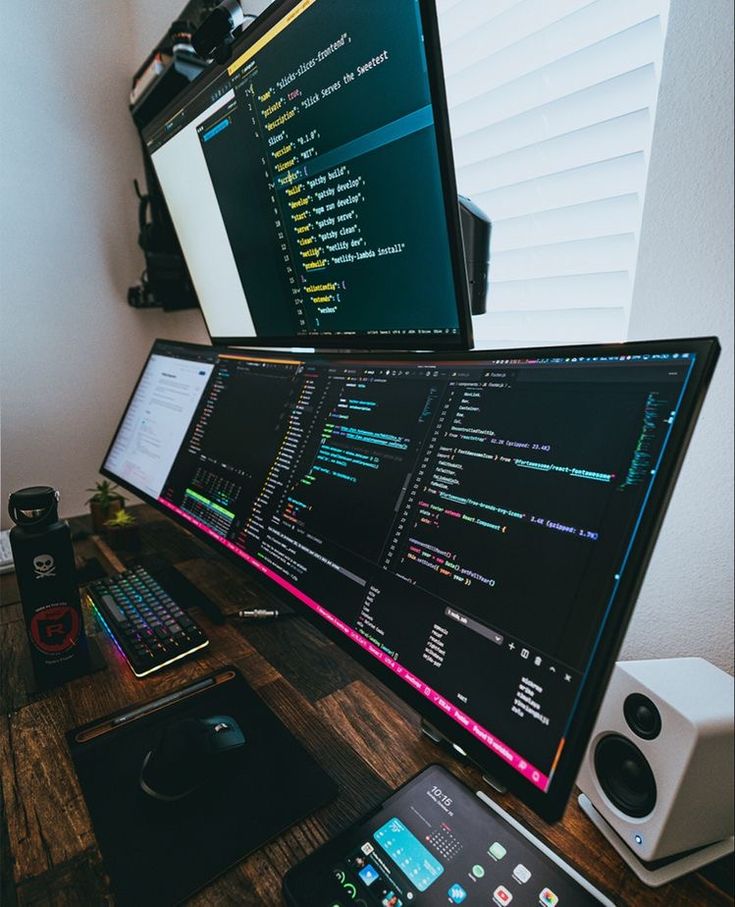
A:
552	106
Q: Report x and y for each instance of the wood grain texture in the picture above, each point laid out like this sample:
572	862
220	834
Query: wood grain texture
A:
81	881
9	592
320	668
16	672
392	746
48	822
10	613
363	735
7	886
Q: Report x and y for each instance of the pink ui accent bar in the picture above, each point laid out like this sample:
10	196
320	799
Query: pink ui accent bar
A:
530	772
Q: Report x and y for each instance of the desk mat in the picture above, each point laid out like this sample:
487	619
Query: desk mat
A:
159	853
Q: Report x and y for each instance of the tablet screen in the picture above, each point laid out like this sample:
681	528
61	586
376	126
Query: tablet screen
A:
434	843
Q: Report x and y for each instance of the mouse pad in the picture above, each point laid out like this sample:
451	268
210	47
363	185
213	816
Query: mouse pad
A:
160	853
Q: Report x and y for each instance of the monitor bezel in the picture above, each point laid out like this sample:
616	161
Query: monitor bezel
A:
548	805
463	340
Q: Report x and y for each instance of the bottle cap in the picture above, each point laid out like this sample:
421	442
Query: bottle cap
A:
34	506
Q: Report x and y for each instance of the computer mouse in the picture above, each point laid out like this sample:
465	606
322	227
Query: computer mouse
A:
189	753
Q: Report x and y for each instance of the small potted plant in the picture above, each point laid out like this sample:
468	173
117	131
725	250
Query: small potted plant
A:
122	531
105	502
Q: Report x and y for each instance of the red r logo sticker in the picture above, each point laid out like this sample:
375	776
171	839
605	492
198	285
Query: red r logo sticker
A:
55	629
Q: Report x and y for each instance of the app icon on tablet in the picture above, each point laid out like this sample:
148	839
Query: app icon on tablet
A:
521	874
502	896
497	851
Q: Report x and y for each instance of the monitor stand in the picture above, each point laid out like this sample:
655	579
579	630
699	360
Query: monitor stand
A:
440	740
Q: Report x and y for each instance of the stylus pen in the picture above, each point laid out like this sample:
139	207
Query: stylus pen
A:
150	707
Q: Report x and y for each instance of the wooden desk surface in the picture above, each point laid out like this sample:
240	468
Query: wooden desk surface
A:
360	732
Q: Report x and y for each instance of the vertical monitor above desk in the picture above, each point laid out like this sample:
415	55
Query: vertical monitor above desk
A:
474	528
311	182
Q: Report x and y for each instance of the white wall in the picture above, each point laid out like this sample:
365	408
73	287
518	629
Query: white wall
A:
684	287
70	346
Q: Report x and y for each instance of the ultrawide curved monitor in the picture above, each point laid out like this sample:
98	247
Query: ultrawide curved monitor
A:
474	529
311	182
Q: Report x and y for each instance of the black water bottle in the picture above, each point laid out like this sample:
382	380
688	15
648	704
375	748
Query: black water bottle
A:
44	568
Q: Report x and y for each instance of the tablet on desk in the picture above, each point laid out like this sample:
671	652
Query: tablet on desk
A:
431	843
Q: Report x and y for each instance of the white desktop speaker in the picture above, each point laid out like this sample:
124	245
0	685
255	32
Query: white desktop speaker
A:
657	778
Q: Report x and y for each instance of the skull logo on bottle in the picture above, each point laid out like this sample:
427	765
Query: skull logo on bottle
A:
44	566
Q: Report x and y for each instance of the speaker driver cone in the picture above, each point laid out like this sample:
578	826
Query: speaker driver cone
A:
625	776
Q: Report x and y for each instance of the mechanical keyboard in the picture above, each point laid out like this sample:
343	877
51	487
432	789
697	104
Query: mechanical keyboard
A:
150	629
